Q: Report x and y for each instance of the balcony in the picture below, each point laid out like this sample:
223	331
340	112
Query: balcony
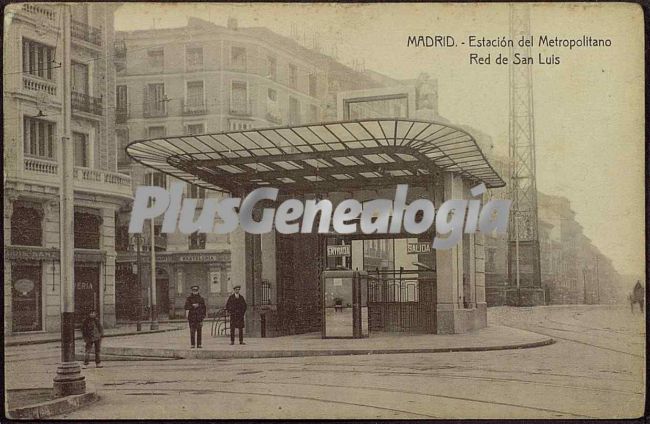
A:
85	103
121	115
194	108
154	109
241	109
46	172
40	11
36	84
41	166
82	31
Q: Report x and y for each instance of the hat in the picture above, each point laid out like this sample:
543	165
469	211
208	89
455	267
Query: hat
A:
194	288
236	287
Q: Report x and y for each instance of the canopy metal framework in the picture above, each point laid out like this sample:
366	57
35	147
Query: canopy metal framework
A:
312	158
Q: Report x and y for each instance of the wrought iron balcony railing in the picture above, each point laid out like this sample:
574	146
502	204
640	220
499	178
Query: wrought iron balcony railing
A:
85	32
241	109
86	103
194	107
154	109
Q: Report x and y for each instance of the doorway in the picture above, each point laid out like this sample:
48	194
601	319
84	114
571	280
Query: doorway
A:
86	291
26	300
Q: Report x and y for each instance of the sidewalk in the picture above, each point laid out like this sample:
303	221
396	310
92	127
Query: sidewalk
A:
121	330
176	344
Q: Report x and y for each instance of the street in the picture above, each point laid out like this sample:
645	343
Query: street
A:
595	369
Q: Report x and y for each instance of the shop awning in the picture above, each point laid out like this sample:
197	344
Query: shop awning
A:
321	157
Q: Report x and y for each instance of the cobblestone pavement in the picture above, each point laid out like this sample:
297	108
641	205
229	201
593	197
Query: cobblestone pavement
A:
595	370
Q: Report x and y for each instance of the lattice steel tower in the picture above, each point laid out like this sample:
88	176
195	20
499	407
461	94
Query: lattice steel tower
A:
523	242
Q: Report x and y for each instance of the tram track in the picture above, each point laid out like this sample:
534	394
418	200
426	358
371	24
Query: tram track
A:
286	396
535	327
346	387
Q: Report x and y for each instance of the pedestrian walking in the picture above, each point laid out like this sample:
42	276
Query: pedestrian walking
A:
92	332
195	313
236	306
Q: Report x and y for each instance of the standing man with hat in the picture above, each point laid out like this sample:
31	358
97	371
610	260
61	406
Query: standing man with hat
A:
195	313
236	306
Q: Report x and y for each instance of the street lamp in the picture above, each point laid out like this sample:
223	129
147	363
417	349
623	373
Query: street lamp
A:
68	379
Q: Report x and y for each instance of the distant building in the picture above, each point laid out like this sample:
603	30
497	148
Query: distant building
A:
572	269
32	130
205	78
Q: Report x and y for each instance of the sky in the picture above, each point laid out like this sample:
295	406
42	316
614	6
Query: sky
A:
589	110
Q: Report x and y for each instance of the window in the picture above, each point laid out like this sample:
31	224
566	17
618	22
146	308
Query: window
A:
194	57
86	230
194	94
121	103
293	76
239	98
26	225
294	111
38	59
196	241
159	179
38	138
122	137
195	192
238	58
313	113
273	95
155	100
156	132
312	85
81	149
272	68
79	78
156	58
192	129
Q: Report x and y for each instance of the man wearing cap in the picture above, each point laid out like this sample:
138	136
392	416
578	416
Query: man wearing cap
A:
195	312
236	306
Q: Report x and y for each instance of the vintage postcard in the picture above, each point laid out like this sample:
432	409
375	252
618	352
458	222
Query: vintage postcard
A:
324	211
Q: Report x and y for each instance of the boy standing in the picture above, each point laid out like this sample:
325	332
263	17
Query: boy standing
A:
92	332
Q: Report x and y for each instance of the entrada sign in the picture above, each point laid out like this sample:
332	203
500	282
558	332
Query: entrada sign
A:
338	250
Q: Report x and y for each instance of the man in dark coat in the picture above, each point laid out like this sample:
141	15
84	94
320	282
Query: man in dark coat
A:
92	332
236	306
195	313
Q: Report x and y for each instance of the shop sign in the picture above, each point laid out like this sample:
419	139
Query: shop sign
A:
198	258
24	286
417	248
30	253
338	250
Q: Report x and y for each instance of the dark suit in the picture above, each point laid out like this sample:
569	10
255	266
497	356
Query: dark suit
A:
195	316
237	308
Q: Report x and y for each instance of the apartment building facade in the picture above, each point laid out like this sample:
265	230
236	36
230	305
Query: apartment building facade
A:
204	78
32	131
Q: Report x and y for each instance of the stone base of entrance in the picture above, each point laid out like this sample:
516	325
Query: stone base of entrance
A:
456	321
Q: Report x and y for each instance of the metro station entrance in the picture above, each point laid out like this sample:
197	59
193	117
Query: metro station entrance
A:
411	288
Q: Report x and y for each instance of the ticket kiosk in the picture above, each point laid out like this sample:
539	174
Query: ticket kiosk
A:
345	304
